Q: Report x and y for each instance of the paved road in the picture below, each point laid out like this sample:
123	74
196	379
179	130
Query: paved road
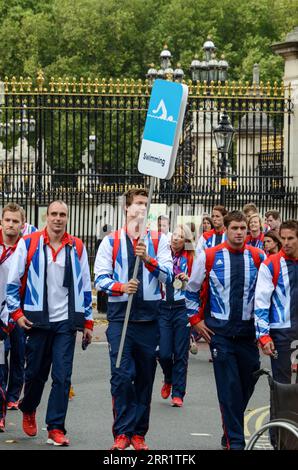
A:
89	419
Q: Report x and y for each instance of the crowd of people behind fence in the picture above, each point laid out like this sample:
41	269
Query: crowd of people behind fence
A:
232	282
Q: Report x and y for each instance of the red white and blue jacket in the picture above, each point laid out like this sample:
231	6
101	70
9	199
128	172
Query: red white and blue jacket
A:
222	287
258	242
28	229
26	285
6	255
210	239
276	299
111	274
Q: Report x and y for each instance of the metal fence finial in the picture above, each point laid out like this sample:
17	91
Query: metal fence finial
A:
40	80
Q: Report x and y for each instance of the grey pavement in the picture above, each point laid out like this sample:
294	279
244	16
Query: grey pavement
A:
196	426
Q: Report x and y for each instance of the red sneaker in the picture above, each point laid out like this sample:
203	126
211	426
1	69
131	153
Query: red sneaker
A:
121	442
139	443
13	405
57	438
166	390
29	424
2	425
177	401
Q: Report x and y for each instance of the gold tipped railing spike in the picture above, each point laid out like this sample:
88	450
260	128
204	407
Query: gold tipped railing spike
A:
74	85
132	86
40	80
52	85
66	89
123	86
21	84
81	85
147	92
96	86
6	84
29	84
268	89
89	83
13	84
140	86
60	84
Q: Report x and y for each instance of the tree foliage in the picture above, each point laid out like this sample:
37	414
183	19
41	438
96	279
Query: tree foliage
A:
119	38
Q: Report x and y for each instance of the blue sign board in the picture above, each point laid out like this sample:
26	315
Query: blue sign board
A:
162	129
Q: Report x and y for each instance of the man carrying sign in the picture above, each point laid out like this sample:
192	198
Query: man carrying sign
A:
132	382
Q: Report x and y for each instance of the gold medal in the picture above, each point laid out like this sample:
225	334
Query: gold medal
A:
177	284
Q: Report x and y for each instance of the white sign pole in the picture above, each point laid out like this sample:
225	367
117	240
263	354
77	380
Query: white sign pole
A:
135	274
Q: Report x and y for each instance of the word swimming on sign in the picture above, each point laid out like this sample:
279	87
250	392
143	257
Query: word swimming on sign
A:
155	159
162	129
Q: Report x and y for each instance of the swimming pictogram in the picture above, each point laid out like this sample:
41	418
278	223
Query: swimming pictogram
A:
164	113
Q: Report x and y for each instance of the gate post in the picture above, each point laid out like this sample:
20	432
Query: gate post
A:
288	49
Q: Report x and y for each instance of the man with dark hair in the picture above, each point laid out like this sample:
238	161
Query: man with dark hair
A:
220	296
49	295
273	220
132	382
276	303
10	233
216	235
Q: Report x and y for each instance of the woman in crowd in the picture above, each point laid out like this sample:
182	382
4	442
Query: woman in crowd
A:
256	235
173	321
207	223
272	243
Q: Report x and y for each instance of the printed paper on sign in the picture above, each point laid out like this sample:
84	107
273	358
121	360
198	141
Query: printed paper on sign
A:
162	129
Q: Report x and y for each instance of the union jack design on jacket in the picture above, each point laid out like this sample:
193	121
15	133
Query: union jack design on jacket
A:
276	299
26	286
114	266
210	239
258	242
6	323
28	229
222	287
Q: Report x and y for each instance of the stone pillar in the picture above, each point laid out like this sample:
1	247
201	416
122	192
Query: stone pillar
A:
288	49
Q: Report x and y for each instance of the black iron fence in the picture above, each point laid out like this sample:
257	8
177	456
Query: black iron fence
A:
80	140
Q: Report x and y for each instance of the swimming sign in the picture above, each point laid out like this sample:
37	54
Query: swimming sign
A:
162	129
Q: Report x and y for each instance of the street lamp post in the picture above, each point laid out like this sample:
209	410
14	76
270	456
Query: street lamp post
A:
223	134
209	69
165	71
